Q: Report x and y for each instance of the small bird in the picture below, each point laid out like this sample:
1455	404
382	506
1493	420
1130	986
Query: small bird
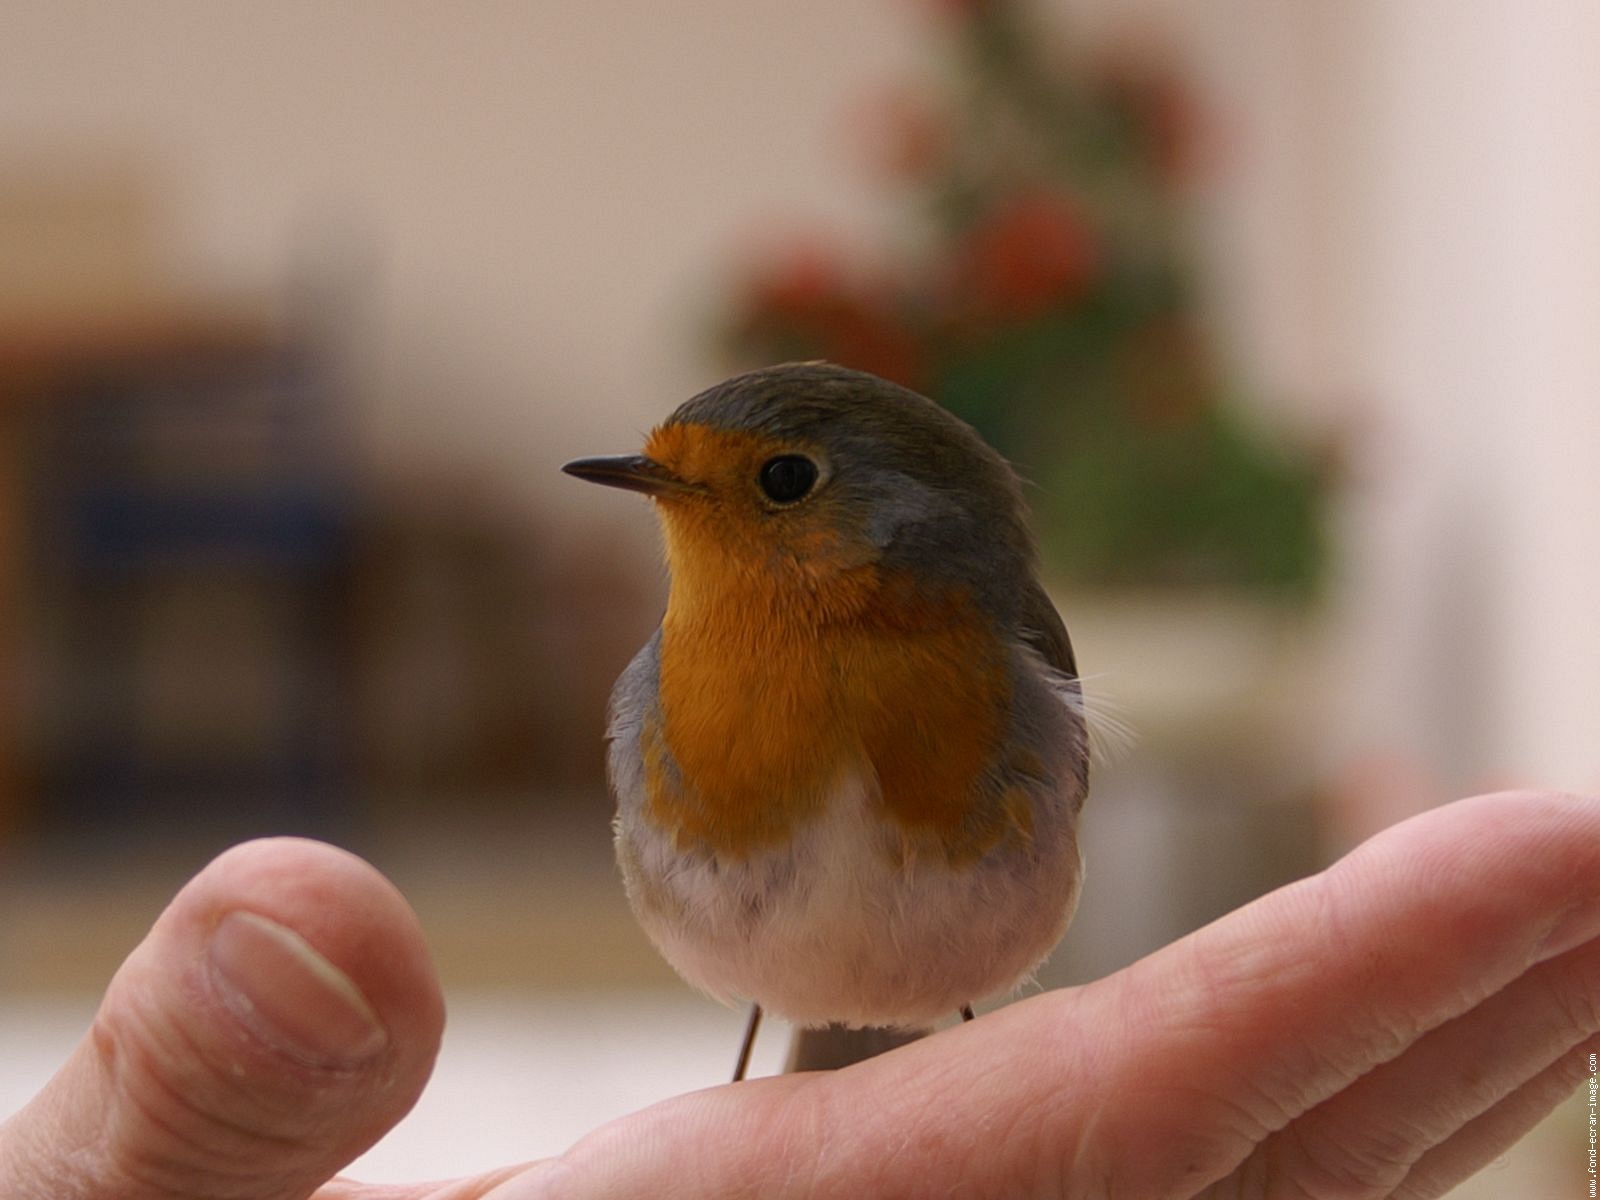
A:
849	764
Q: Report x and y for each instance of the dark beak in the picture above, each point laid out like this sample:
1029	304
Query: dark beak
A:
632	471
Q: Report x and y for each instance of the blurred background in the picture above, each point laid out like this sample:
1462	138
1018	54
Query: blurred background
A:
1286	312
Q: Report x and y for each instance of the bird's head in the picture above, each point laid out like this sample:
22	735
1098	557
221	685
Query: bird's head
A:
806	480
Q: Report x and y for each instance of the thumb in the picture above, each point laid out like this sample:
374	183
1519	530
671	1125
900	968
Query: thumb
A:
280	1017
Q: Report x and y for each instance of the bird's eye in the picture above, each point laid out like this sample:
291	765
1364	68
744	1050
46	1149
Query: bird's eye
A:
787	478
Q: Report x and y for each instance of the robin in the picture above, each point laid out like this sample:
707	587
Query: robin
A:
849	763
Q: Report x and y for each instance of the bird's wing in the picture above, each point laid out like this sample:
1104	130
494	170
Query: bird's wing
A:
1042	628
632	699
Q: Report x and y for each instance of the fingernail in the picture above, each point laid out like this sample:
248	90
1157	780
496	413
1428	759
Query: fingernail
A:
289	995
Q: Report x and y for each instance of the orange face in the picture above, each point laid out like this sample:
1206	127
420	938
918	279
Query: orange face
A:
727	542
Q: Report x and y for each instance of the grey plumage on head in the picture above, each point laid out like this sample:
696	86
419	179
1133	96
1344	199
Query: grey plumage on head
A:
931	492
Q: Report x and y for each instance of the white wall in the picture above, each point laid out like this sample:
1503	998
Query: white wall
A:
531	193
1478	573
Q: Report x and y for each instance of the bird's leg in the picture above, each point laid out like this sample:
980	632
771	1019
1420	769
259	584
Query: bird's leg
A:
748	1044
966	1012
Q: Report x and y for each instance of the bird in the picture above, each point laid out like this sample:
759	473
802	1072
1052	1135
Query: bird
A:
849	763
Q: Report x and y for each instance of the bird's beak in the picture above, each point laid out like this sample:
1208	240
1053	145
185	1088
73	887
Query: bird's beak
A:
632	471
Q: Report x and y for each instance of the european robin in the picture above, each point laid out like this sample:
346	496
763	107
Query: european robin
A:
849	764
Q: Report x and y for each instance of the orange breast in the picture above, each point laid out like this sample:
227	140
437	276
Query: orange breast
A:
769	698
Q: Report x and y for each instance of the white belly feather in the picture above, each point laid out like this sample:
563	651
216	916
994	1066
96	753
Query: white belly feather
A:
837	927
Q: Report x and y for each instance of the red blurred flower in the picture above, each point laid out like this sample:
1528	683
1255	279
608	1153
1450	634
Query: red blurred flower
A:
802	303
1162	108
796	278
1031	252
902	134
967	10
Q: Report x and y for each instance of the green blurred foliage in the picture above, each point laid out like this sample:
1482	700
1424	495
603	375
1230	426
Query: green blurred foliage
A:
1048	299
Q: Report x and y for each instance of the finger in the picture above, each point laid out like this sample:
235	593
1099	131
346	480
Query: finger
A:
1264	1014
1162	1079
754	1139
492	1185
281	1015
1366	1140
969	1108
1487	1137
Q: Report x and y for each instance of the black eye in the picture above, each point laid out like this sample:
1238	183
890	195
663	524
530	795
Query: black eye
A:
788	477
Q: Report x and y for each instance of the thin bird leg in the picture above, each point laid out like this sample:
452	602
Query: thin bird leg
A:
748	1044
966	1012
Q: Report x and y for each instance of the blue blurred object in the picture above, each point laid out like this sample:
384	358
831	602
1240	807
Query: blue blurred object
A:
176	486
129	528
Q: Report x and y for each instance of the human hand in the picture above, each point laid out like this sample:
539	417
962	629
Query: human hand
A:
281	1015
1381	1029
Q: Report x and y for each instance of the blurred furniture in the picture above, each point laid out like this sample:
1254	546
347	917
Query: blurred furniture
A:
181	480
